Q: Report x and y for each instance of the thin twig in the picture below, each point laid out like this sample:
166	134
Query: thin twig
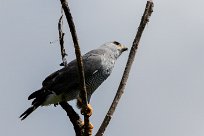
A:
61	40
83	92
120	91
73	116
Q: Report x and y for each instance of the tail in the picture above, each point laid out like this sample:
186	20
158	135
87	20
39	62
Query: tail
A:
39	97
28	111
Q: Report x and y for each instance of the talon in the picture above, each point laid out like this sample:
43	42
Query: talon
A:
90	125
87	110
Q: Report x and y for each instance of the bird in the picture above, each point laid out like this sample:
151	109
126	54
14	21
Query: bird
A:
64	85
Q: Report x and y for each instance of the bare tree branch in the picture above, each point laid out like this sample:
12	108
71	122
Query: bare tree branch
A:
68	15
73	116
120	91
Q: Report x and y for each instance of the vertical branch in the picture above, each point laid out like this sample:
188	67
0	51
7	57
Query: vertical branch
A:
73	116
145	18
79	62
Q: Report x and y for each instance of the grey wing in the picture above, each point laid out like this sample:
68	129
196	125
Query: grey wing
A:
57	82
92	63
62	80
67	78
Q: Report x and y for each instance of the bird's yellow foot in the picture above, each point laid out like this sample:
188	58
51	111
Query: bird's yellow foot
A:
88	110
90	125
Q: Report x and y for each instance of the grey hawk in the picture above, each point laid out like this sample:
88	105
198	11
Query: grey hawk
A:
63	85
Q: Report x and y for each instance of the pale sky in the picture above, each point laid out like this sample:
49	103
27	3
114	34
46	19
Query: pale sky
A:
164	95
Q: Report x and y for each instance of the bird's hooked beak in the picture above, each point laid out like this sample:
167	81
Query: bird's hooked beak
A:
120	47
123	48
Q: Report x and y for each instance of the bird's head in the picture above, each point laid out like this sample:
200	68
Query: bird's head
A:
121	48
115	47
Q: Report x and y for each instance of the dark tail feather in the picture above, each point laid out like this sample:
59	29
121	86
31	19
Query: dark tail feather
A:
35	94
39	97
28	111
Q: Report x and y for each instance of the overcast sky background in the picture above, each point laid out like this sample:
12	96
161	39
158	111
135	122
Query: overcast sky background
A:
164	95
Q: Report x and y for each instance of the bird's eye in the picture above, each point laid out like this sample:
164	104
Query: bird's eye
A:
116	43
